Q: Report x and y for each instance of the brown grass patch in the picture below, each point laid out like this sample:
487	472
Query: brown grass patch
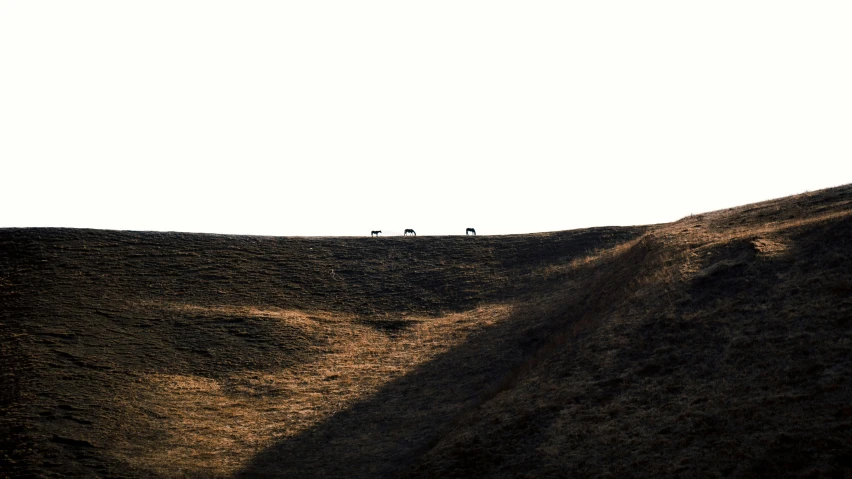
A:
215	426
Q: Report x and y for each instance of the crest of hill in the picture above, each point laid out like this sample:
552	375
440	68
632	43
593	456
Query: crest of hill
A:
715	345
90	315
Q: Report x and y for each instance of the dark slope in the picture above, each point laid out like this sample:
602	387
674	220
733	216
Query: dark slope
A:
98	326
358	275
719	345
725	351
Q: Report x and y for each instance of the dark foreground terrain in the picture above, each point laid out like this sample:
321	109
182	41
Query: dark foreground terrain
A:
716	346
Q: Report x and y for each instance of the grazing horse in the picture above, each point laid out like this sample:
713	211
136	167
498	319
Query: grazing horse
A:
470	230
375	233
409	231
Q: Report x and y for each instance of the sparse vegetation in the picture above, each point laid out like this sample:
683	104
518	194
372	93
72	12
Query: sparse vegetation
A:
718	345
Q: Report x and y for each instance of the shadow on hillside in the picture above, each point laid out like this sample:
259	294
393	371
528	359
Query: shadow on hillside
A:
102	310
384	433
390	327
762	321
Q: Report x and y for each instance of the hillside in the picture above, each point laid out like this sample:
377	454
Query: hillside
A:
722	347
718	345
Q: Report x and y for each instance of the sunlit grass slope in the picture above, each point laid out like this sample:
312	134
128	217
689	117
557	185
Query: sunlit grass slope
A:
718	345
721	346
165	354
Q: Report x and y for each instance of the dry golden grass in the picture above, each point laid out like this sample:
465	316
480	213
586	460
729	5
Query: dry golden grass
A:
716	348
215	426
717	345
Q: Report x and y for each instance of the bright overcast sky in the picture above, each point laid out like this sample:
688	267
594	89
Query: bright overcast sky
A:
340	117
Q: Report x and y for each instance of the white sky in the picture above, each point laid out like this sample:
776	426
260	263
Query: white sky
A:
339	117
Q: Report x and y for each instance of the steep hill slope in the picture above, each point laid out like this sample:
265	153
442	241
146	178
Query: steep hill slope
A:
723	347
718	345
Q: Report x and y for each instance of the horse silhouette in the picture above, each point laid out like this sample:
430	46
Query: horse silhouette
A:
375	233
470	230
409	231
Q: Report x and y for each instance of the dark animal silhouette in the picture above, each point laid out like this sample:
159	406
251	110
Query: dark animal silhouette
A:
409	231
470	230
375	233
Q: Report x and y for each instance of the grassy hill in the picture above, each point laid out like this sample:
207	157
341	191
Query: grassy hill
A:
718	345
